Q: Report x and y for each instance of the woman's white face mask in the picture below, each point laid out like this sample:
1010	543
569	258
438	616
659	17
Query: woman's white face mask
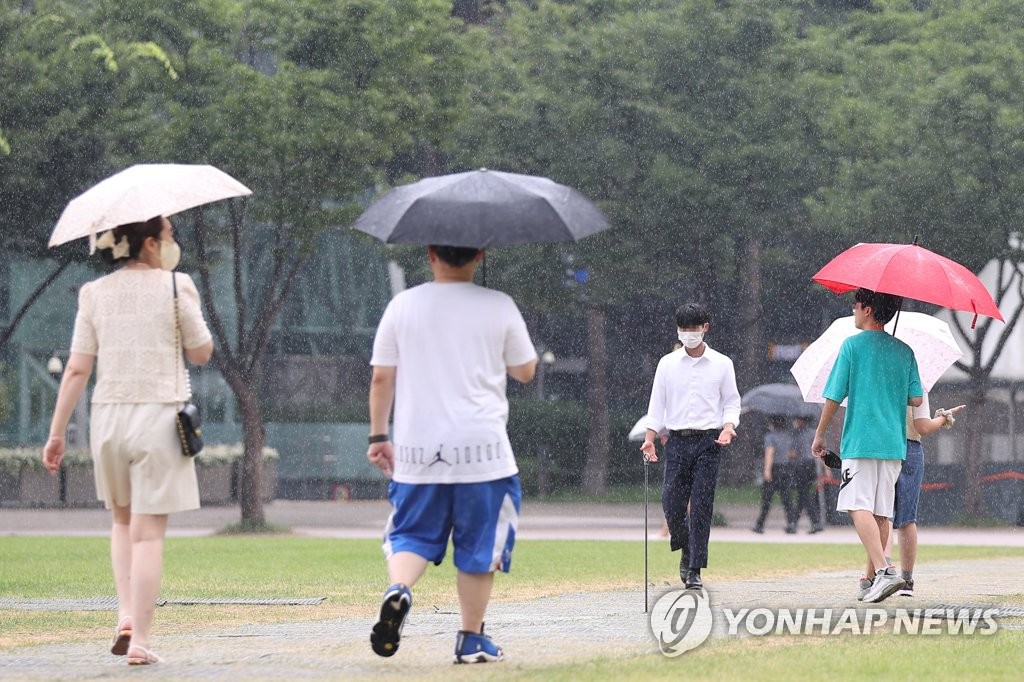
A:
170	254
691	340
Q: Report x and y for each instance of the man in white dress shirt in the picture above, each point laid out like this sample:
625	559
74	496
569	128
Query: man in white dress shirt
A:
694	399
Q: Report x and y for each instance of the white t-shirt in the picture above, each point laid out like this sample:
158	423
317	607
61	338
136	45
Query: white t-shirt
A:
922	411
451	344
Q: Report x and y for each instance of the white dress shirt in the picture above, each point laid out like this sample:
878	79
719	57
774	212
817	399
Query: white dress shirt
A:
693	393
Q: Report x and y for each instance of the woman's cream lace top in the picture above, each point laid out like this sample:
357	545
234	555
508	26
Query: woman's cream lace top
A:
126	320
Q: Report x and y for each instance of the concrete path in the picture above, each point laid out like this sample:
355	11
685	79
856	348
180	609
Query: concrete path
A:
532	632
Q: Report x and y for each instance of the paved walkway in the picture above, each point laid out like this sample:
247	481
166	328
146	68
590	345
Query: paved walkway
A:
610	625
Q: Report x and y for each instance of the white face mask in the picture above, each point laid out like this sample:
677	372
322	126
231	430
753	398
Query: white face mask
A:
691	340
170	254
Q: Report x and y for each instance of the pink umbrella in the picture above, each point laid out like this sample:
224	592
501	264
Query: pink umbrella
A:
910	271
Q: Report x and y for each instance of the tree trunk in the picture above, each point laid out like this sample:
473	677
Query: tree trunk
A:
595	472
753	360
250	498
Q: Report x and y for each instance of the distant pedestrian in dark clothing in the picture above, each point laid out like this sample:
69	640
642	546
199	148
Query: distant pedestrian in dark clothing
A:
805	474
779	471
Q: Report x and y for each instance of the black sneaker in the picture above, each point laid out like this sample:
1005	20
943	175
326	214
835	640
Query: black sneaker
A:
691	580
387	631
907	590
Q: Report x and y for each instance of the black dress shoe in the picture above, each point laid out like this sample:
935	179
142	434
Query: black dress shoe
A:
692	579
684	565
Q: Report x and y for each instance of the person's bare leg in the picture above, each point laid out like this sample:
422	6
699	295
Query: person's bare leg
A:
406	568
474	595
887	551
147	536
885	539
869	532
908	547
121	561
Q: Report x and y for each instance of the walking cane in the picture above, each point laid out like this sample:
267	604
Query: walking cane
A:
647	467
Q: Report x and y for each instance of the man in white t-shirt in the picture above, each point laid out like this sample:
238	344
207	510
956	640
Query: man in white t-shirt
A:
441	355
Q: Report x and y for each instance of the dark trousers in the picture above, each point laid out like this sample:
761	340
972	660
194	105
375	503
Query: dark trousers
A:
781	483
807	490
691	473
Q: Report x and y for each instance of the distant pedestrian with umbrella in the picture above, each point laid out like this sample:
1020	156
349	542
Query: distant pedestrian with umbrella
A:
134	325
878	375
441	356
779	473
694	398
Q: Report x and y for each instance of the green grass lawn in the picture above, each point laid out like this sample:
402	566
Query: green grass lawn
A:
350	573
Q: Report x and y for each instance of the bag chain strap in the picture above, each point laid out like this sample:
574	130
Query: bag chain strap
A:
180	346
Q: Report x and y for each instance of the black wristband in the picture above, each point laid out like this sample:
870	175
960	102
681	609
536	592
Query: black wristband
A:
379	438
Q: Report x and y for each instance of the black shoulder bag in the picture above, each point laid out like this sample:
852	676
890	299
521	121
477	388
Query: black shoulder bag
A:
190	430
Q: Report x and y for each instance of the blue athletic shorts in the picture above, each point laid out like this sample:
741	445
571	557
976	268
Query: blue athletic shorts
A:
908	486
480	518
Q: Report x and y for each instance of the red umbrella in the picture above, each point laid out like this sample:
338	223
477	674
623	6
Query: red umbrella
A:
910	271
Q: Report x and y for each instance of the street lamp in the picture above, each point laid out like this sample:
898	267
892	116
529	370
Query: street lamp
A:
54	366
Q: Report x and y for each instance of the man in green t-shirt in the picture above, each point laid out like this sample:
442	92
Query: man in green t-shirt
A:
877	374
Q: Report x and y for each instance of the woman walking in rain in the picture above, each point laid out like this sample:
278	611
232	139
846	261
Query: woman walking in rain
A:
128	326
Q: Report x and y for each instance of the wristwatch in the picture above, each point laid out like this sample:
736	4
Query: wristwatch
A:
378	438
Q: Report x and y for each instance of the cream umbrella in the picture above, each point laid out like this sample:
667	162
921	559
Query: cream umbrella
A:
139	193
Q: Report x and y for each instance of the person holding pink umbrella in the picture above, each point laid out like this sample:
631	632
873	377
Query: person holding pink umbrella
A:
878	376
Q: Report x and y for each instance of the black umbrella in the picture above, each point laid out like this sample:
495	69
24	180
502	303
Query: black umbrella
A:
780	399
481	209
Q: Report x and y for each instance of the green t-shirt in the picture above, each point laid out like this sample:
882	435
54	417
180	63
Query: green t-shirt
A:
878	374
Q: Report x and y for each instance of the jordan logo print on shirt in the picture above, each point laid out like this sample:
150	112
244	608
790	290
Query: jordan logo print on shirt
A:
438	459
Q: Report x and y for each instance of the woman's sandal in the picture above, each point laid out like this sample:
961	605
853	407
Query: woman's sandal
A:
122	636
147	657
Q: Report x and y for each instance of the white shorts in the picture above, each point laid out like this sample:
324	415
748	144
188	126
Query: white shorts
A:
868	485
138	461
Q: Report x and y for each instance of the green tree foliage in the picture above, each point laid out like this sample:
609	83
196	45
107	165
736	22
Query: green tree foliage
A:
309	105
736	146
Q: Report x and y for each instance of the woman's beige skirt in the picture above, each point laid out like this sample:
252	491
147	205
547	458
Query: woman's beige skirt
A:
137	458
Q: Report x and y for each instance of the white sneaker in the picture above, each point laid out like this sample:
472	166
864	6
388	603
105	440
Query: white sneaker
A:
887	582
864	585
